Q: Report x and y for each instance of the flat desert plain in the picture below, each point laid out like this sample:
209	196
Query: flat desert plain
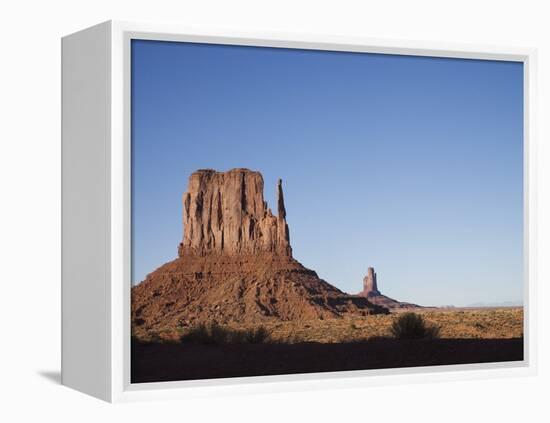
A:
454	323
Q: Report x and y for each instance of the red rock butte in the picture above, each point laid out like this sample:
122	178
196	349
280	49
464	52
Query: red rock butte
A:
235	263
370	291
225	213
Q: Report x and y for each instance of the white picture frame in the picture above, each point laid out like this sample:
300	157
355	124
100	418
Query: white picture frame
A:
96	212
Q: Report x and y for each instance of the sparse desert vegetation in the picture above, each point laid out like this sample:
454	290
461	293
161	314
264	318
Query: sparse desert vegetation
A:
481	323
413	326
214	334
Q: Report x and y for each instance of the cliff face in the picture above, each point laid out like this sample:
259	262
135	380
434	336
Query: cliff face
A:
225	213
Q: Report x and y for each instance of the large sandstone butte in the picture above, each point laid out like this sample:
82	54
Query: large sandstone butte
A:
235	263
225	213
370	291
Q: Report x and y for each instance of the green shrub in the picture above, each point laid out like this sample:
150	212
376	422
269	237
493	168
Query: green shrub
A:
215	334
413	326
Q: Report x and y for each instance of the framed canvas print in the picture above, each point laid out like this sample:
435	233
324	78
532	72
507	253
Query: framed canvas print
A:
264	211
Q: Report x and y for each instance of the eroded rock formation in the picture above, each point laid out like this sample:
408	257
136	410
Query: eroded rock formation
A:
370	291
225	213
235	264
370	284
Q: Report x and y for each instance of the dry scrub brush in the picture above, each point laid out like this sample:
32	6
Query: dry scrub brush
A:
413	326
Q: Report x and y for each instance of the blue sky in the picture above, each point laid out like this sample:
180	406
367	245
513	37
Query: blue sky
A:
412	165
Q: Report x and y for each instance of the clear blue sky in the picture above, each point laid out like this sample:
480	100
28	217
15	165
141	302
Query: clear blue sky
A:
412	165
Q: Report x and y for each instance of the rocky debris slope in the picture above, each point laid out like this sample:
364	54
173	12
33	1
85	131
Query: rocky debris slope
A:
235	264
371	292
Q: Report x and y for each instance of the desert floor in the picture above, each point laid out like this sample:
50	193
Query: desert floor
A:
462	323
466	336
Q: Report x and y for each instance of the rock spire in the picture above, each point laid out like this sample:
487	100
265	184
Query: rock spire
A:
370	291
370	285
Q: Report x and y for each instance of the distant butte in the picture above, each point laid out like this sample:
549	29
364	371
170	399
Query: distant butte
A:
371	292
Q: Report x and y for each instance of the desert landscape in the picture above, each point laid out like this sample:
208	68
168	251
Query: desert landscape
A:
454	323
235	302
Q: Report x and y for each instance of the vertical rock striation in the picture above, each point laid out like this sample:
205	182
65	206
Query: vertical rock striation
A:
225	213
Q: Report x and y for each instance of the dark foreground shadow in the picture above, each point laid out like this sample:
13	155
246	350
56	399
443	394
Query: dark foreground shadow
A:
53	376
170	362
